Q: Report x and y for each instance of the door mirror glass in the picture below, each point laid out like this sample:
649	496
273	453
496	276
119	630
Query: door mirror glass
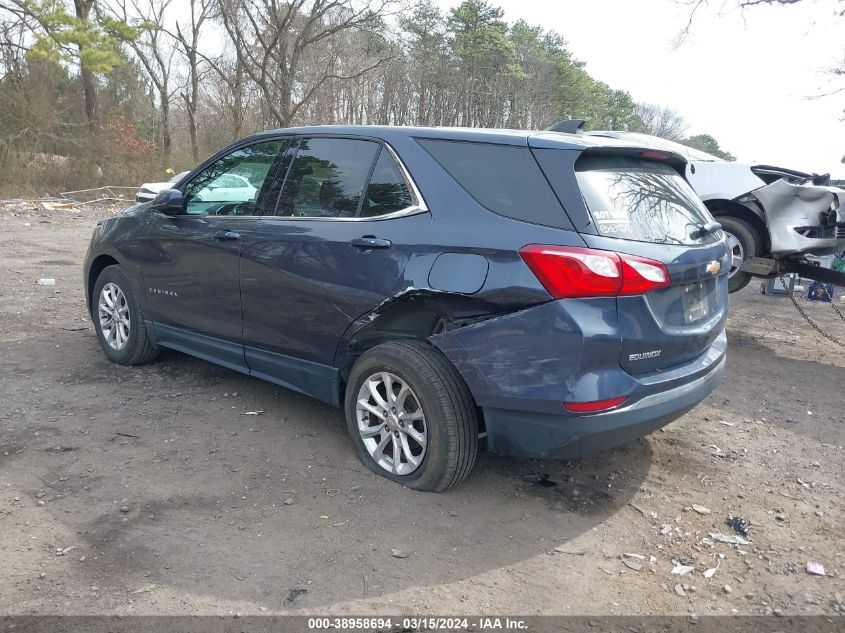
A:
169	202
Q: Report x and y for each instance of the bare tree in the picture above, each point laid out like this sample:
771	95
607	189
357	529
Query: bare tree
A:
278	63
154	51
661	121
289	50
229	88
695	5
741	5
188	38
13	48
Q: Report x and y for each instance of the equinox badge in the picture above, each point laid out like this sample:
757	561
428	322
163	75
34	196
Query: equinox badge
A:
644	355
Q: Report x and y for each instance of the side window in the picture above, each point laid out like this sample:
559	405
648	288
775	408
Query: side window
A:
388	191
327	178
503	178
232	184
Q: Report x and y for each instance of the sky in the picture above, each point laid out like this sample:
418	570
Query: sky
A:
745	78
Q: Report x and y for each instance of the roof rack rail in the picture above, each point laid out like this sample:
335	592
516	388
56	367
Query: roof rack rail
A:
572	126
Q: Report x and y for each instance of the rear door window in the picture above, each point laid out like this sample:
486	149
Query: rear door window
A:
641	200
327	178
503	178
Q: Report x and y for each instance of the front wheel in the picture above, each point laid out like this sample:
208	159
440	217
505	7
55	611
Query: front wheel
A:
119	320
411	416
743	244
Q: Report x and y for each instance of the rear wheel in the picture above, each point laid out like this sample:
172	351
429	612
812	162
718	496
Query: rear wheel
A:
119	320
743	243
411	416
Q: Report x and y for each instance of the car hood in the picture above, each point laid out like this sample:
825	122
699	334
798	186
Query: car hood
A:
169	184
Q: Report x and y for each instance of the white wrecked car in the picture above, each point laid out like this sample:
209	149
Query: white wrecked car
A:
226	187
766	212
148	190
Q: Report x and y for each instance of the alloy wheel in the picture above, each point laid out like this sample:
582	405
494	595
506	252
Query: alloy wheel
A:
391	423
114	316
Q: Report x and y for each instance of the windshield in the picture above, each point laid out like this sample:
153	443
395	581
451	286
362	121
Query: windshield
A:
641	200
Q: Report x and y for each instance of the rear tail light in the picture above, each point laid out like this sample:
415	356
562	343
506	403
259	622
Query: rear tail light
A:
568	272
574	272
594	406
641	275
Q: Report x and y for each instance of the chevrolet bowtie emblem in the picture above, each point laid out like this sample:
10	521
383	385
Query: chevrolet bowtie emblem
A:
714	267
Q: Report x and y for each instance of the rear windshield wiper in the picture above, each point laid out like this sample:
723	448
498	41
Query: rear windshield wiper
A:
703	230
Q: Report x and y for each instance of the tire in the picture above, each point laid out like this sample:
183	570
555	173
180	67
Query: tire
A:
136	347
437	391
744	243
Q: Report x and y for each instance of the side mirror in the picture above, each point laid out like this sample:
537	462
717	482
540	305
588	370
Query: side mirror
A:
169	202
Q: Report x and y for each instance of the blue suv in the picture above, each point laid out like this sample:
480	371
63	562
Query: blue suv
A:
540	293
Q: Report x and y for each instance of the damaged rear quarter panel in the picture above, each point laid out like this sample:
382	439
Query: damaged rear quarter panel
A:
417	310
539	357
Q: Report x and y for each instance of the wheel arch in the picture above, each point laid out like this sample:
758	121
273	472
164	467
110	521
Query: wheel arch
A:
415	315
98	265
407	319
719	207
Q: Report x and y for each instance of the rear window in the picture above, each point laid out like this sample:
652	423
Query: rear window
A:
388	191
503	178
640	200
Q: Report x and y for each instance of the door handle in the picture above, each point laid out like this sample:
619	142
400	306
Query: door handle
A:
227	235
370	241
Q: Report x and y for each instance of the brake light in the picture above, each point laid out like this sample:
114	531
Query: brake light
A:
569	272
655	154
574	272
595	406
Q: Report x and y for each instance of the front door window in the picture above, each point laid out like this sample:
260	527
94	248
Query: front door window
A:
233	184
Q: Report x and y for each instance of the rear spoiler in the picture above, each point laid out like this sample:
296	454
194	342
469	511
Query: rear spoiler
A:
670	156
604	143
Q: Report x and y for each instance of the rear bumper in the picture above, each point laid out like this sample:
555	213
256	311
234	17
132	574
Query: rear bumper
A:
523	366
565	436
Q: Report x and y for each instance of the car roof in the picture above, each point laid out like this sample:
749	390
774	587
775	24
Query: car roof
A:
534	138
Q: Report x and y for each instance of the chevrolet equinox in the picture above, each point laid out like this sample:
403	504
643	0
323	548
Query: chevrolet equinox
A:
541	293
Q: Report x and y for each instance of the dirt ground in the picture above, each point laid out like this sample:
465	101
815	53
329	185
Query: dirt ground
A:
150	490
